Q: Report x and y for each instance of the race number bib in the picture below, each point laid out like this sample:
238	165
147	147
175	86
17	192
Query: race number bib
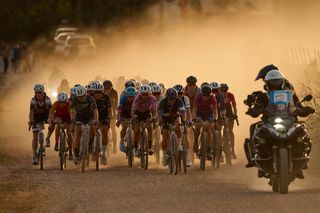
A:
280	97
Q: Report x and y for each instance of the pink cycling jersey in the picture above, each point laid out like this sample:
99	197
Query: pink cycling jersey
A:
139	104
204	106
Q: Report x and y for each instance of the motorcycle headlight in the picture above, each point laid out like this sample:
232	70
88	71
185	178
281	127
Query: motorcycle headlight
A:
278	120
279	127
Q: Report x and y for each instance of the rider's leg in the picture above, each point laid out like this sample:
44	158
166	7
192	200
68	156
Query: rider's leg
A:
230	126
104	132
136	134
57	133
70	138
114	134
34	142
164	145
50	131
196	137
150	133
78	132
123	133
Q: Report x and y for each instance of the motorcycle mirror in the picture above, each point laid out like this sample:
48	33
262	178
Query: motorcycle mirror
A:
307	98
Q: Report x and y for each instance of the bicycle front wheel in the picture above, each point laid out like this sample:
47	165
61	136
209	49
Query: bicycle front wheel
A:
203	151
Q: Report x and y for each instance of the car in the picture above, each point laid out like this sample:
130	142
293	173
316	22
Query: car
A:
60	41
65	30
79	45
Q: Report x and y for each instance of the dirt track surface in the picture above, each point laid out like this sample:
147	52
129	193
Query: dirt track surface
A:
117	188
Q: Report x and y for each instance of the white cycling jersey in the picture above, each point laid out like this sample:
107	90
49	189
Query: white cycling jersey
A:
186	101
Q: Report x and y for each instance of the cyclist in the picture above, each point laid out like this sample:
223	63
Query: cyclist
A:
191	90
128	84
124	113
60	112
180	90
104	110
40	106
221	109
113	95
144	109
231	112
205	109
171	111
83	111
156	91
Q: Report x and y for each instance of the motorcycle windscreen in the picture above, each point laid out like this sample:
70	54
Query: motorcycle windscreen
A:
280	101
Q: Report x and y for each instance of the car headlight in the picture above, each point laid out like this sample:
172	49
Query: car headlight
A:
279	127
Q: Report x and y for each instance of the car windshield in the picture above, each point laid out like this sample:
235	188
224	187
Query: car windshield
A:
79	41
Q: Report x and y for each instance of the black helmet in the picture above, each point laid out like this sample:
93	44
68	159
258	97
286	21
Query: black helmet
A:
263	72
179	88
129	84
171	93
206	90
107	84
191	80
224	87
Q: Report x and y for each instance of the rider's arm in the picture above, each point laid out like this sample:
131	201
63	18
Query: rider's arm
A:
234	104
96	115
214	107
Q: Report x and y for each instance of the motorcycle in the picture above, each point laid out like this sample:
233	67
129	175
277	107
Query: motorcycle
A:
280	145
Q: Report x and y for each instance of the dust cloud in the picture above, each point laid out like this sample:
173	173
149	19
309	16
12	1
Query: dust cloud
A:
227	48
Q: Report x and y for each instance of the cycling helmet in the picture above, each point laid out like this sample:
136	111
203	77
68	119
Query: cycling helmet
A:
224	87
96	86
179	88
191	80
163	87
73	90
171	93
264	71
81	91
145	89
63	97
206	90
215	85
133	80
38	88
144	81
205	84
107	84
156	88
131	92
129	84
137	85
88	87
274	80
151	84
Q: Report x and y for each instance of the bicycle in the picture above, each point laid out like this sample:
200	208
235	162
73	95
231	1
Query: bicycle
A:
63	148
128	140
144	147
41	149
173	150
204	143
182	155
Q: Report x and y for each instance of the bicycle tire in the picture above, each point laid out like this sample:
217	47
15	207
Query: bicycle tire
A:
203	150
184	155
141	154
41	149
62	149
97	150
146	151
130	148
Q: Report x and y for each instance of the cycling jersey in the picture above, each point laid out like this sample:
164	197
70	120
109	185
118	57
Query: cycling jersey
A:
84	110
40	109
229	101
103	106
62	111
171	110
125	105
143	105
191	93
205	106
186	101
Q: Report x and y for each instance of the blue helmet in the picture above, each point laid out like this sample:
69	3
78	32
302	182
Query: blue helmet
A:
131	91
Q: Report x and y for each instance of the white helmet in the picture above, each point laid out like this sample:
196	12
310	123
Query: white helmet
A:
145	89
96	86
38	88
274	80
81	91
73	91
88	87
156	89
215	85
151	84
63	97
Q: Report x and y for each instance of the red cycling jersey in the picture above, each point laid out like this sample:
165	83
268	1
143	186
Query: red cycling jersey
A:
62	112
